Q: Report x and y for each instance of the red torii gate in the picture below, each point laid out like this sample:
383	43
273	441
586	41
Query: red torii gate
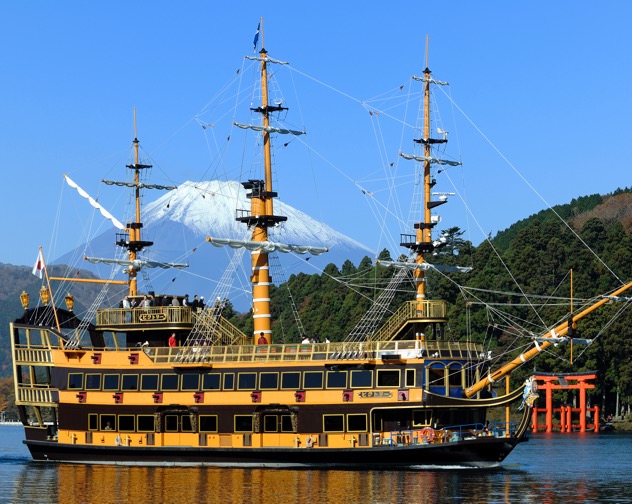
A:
550	382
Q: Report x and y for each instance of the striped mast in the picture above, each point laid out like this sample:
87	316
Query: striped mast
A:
262	210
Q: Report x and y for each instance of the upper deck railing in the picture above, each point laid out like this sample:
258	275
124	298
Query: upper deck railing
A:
151	315
30	352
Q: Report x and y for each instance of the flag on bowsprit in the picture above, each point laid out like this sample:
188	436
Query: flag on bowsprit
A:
39	265
256	39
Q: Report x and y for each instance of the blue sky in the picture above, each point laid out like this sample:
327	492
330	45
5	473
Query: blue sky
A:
546	83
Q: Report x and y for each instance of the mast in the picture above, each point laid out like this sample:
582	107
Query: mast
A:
130	239
261	215
421	242
423	231
135	243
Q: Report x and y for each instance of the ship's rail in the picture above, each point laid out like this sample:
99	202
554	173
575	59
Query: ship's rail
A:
33	355
347	351
419	311
141	315
42	395
38	351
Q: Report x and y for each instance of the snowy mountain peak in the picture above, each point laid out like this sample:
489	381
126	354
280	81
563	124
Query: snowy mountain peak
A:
209	208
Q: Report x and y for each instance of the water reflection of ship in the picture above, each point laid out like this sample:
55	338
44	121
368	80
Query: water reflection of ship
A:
66	483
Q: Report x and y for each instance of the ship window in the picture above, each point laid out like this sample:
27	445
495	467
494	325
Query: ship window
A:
146	423
93	382
208	423
190	381
313	380
333	423
186	425
93	421
107	422
229	381
388	377
211	381
422	418
410	378
149	382
130	382
246	381
243	423
75	381
291	380
269	381
357	423
126	423
169	382
270	423
171	423
110	382
436	375
362	379
454	376
286	423
336	379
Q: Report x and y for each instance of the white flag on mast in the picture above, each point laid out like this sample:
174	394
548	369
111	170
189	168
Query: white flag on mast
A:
39	265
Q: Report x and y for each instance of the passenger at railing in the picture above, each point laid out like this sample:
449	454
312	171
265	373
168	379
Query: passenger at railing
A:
420	338
165	301
145	303
175	301
262	339
306	341
185	300
127	305
172	341
201	305
195	303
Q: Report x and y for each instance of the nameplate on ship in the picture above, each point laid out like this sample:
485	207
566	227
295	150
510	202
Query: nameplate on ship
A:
375	394
152	317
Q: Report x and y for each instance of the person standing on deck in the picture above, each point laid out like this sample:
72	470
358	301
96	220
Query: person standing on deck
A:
172	341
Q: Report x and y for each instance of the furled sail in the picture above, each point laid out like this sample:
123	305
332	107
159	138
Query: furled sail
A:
270	129
431	160
267	246
427	266
139	185
136	264
95	204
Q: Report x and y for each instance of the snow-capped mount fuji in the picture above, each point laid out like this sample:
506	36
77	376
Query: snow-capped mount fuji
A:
178	223
208	208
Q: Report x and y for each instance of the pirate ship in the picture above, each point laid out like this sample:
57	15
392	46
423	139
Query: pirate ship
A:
112	390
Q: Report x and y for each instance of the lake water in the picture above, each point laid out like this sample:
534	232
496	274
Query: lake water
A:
576	468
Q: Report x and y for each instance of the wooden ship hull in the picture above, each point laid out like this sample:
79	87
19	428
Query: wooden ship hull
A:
292	405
